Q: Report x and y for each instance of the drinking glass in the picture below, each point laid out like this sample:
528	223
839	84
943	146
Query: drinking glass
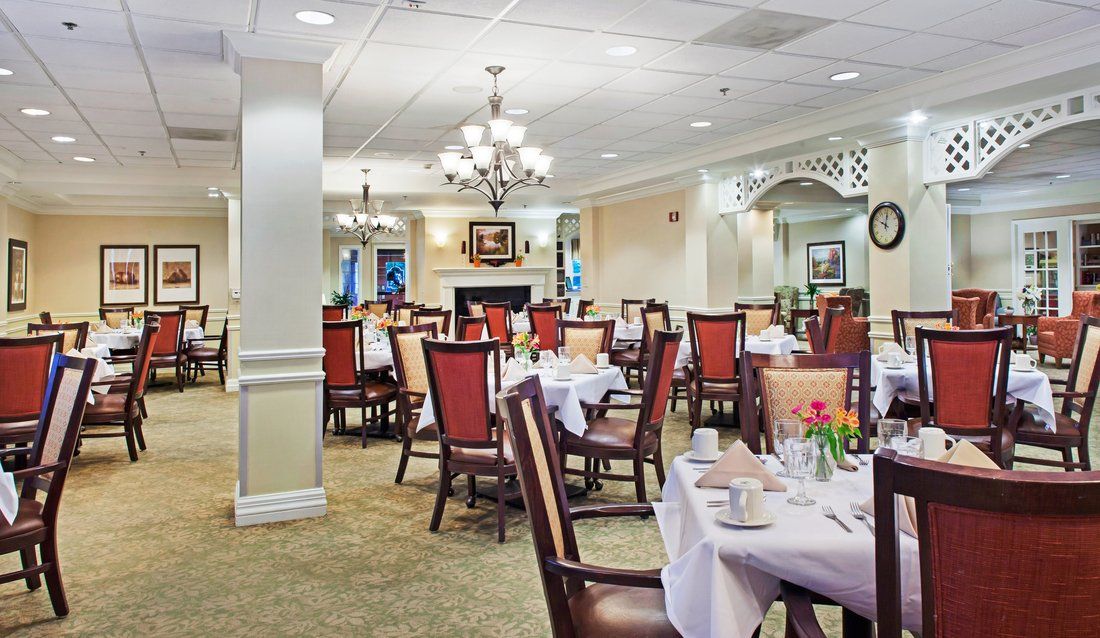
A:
911	345
563	354
799	457
888	429
908	445
784	429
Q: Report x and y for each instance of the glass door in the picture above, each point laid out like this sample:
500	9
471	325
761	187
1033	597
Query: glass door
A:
349	272
1043	258
390	272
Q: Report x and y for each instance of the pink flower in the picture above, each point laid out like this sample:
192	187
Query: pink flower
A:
797	409
824	418
818	405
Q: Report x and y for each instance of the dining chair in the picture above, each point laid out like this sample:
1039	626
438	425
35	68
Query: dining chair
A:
827	333
74	336
968	382
844	332
589	338
333	312
200	356
498	321
114	317
639	440
45	317
815	340
905	322
773	385
1070	429
989	543
345	386
412	388
565	303
123	405
544	323
461	377
169	349
470	328
758	316
198	314
582	307
1056	335
441	319
475	308
717	340
24	378
33	532
619	602
380	308
404	312
632	308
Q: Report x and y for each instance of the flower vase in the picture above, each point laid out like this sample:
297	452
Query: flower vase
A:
826	464
523	356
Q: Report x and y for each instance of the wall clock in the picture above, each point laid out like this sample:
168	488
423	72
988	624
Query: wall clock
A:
886	225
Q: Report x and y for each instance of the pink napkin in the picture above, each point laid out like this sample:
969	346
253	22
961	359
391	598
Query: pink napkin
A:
739	462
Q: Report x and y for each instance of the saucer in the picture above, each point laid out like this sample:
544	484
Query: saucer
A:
1027	371
723	516
690	455
901	367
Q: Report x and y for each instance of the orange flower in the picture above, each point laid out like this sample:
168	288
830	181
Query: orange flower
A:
849	418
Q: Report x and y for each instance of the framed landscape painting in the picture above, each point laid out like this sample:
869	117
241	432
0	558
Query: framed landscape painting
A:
494	241
826	263
124	273
17	274
175	274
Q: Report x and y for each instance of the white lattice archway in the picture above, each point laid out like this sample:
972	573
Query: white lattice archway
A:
843	170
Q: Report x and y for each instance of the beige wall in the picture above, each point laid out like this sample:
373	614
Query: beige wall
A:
21	225
960	251
640	253
851	230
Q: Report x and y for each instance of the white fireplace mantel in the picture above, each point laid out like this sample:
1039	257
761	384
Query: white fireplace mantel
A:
538	279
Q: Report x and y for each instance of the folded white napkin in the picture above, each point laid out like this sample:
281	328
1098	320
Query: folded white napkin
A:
102	328
962	453
777	332
739	462
73	352
378	345
373	317
889	348
581	365
191	323
9	498
89	352
513	371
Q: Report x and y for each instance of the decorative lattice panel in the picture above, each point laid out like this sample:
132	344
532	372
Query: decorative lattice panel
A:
568	225
830	167
997	133
843	170
857	169
731	194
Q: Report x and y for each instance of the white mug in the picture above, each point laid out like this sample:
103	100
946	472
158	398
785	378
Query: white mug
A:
637	321
704	443
562	372
746	499
1023	361
546	358
893	359
603	360
935	442
777	331
765	335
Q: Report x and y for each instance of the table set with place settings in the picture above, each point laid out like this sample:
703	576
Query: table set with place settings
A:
127	338
780	345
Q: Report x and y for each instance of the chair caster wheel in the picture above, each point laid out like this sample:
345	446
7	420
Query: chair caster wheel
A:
470	502
598	485
451	492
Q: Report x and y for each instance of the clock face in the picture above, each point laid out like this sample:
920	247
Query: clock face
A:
886	225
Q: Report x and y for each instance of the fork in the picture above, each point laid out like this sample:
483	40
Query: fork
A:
829	513
861	460
860	516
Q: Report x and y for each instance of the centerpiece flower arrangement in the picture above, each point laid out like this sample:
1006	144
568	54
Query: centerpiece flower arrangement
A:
139	317
359	313
524	343
828	432
1029	297
946	326
592	312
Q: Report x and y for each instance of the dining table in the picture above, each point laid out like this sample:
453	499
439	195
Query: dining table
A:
127	338
104	371
753	343
9	498
721	579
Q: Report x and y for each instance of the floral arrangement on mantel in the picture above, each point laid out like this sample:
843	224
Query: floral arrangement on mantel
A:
477	261
828	431
519	261
592	312
139	318
1029	297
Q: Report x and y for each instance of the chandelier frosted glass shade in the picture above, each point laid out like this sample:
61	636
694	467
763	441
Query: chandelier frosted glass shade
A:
366	219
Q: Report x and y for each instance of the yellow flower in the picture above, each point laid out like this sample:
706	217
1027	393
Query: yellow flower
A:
849	418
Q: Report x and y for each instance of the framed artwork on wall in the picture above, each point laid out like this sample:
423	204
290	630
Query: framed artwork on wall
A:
17	274
175	274
495	242
825	261
124	273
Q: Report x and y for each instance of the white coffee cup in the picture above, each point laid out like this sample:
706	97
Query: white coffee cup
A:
637	321
704	443
746	499
1023	362
547	357
562	372
935	442
777	331
603	360
893	359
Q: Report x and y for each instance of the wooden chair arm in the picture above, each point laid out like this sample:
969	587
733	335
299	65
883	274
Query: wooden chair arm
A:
412	393
610	575
114	383
607	511
628	392
801	619
14	451
37	470
1072	395
611	406
1059	382
122	358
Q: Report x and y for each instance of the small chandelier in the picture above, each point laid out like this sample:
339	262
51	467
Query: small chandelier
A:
366	219
502	166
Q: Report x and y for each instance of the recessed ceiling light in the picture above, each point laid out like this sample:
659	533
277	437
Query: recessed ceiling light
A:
621	51
916	117
63	139
1064	176
34	112
835	138
844	75
849	209
549	175
466	88
516	111
213	194
212	188
805	183
4	71
383	154
702	124
759	173
81	158
1024	145
963	190
703	170
454	147
315	17
613	155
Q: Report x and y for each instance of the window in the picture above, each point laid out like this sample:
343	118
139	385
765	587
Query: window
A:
390	273
349	272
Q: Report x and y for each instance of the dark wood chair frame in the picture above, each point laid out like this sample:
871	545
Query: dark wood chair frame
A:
387	302
505	340
129	310
179	362
464	323
532	308
831	315
608	331
198	366
898	318
696	393
679	382
133	384
774	307
23	433
583	305
634	302
815	340
411	307
341	307
205	313
434	314
81	330
471	305
45	317
408	401
566	303
339	414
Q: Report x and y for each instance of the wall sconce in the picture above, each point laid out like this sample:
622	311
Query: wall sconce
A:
463	246
440	240
543	239
526	247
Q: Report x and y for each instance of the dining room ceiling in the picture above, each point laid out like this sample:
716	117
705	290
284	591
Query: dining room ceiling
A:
132	74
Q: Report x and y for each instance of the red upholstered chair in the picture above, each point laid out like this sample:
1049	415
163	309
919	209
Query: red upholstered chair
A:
815	340
969	385
544	323
905	322
498	322
1057	334
122	406
333	312
966	309
716	343
73	335
379	308
990	540
586	337
199	355
635	355
621	602
472	441
412	388
24	375
638	440
35	524
655	316
345	386
986	314
1071	424
852	333
470	328
440	318
169	349
565	303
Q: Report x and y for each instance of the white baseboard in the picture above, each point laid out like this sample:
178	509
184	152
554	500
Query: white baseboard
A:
280	506
232	385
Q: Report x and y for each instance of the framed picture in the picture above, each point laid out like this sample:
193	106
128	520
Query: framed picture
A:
124	273
175	274
494	241
825	261
17	275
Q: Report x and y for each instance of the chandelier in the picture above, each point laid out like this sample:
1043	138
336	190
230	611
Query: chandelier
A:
501	166
366	219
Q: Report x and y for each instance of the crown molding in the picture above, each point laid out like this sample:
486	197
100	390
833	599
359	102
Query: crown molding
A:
130	211
885	137
508	214
238	45
637	193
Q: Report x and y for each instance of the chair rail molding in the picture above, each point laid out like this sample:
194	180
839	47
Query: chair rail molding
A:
842	169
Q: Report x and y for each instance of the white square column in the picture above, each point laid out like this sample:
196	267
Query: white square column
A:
279	470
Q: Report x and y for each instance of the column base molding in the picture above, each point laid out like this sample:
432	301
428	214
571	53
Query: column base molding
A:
232	385
279	506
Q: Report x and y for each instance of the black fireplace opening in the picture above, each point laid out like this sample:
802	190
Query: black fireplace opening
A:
516	295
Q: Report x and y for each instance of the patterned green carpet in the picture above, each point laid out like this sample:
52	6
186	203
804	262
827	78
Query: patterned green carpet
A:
150	549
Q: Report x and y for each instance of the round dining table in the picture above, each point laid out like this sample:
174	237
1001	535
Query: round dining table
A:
127	339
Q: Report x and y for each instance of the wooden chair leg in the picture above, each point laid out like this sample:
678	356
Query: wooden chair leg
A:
53	577
500	506
471	491
131	444
406	445
139	433
221	372
141	408
1083	456
27	557
179	377
659	465
639	479
440	498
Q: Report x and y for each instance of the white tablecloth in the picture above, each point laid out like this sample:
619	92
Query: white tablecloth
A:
1033	387
720	581
129	339
566	395
9	498
377	355
784	345
103	371
623	331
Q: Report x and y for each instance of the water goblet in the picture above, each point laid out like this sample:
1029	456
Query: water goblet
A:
784	429
799	457
911	345
888	429
908	446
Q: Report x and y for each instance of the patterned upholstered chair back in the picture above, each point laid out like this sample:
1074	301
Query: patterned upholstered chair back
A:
655	317
475	308
170	338
343	344
716	342
906	323
441	319
198	314
586	337
459	380
786	297
966	310
333	313
565	303
114	317
408	355
62	409
1084	373
858	297
470	328
73	335
404	312
632	308
758	316
498	320
544	323
24	373
1086	302
380	308
784	389
969	378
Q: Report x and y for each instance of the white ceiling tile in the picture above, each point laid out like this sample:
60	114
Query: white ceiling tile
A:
77	78
675	20
12	49
530	41
139	162
593	49
579	75
541	98
38	18
26	72
470	69
837	97
95	55
832	9
115	116
417	28
701	58
33	96
712	87
169	85
207	163
642	119
663	135
646	81
199	105
58	113
205	145
579	115
777	67
787	93
915	49
739	109
153	146
130	130
109	100
786	113
842	40
607	99
556	129
680	104
866	72
967	56
916	16
418	62
233	12
189	65
897	78
178	36
480	8
1004	17
1053	29
578	14
106	5
277	16
611	132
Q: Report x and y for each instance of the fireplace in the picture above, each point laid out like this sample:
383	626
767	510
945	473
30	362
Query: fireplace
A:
517	295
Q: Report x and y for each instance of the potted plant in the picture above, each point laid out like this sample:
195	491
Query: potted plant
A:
477	261
519	261
812	291
341	299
